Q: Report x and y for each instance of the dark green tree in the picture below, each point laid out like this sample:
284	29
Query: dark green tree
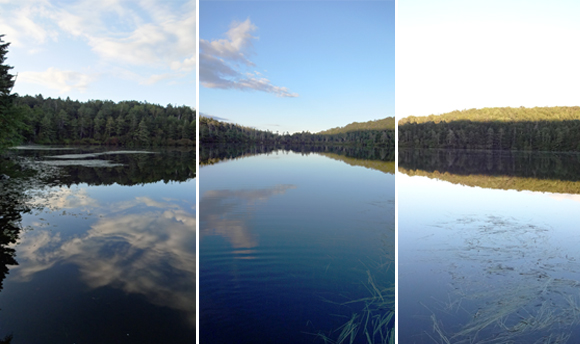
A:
143	133
10	118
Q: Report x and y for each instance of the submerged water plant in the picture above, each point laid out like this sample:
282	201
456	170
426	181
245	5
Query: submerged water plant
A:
516	287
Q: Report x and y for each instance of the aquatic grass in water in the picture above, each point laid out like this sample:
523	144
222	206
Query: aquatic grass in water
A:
506	298
375	322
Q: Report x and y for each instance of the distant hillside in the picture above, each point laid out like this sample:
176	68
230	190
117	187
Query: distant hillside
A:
379	165
381	124
526	129
503	114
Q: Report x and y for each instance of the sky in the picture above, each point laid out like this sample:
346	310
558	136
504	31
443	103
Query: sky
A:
116	50
456	55
293	66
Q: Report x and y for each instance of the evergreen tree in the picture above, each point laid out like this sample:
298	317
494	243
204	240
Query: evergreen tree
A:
143	133
10	117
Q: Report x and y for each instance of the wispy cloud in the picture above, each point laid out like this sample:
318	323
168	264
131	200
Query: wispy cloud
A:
150	33
167	39
22	25
60	80
153	79
222	62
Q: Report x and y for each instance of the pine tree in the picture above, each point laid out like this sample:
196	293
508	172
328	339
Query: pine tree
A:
10	117
143	133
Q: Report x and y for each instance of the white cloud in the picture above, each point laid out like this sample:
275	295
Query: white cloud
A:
127	33
221	63
168	40
153	79
239	39
26	23
188	64
60	80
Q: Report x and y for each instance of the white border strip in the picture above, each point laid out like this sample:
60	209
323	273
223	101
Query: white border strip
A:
396	192
197	171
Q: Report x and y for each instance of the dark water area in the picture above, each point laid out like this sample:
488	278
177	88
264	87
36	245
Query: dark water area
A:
541	165
98	246
488	247
295	246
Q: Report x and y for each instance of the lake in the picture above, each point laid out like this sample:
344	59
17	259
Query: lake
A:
98	246
488	247
296	244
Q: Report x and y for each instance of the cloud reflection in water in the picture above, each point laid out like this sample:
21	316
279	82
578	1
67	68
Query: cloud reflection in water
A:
141	246
226	213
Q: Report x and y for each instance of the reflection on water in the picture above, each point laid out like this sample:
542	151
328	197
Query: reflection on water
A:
214	153
537	165
148	247
290	252
226	213
532	171
502	265
101	261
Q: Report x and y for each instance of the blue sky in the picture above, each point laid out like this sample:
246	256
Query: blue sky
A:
112	49
455	55
297	65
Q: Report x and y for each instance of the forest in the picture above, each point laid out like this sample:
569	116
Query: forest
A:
374	133
98	122
526	129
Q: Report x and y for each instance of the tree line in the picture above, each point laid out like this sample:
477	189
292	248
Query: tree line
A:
377	125
97	122
214	131
534	129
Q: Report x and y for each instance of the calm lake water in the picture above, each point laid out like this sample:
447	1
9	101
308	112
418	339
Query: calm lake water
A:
98	246
488	247
295	246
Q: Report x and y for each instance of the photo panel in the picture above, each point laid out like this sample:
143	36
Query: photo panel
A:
296	185
97	172
487	177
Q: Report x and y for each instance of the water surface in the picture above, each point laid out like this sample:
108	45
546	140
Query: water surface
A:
488	247
98	246
295	246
